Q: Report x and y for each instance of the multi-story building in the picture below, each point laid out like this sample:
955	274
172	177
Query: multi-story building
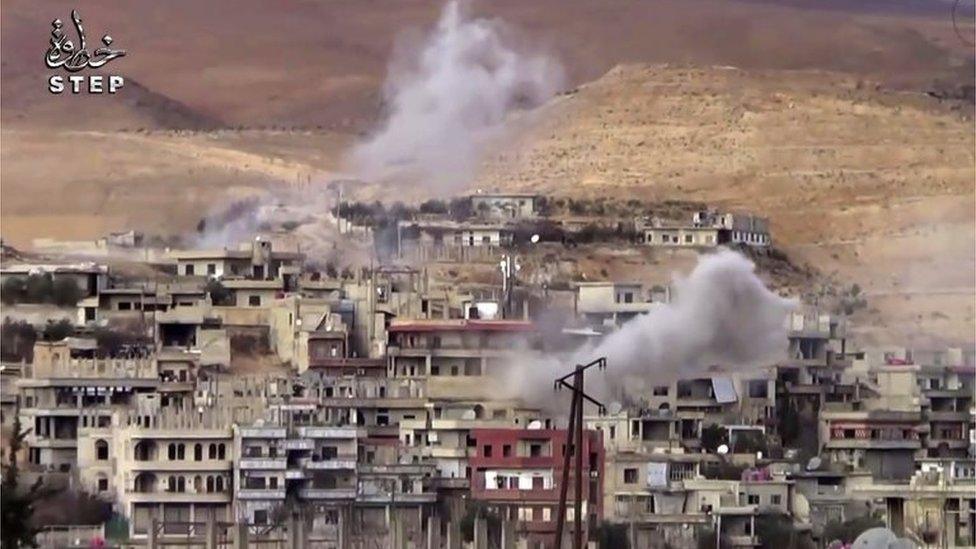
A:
518	473
454	358
61	393
172	465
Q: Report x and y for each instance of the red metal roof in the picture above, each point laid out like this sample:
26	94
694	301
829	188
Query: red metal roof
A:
462	325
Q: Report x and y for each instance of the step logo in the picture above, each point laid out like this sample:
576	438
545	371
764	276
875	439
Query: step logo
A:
68	51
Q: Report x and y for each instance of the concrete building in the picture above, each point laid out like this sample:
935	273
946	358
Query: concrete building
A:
605	305
173	465
518	473
253	260
505	205
454	357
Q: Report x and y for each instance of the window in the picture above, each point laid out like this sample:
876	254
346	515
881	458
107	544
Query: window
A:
211	269
171	452
198	452
661	390
254	300
629	297
189	270
538	483
487	452
776	499
689	239
221	451
212	451
752	499
260	516
486	240
507	450
101	450
125	306
630	475
758	388
181	451
273	483
613	432
535	450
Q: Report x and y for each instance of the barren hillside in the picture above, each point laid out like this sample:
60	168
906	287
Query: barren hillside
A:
874	186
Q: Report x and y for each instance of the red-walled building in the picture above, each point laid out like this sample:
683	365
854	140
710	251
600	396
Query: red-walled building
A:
518	472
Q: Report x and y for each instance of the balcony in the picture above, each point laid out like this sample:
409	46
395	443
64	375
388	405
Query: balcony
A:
326	493
298	444
262	432
182	465
327	432
947	415
342	462
874	444
177	497
264	463
261	493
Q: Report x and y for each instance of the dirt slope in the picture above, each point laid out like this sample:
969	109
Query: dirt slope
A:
874	186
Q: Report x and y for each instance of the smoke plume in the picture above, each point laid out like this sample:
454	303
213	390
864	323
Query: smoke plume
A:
448	98
722	315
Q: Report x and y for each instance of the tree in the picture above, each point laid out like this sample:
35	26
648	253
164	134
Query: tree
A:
38	288
789	423
12	290
219	294
56	331
713	436
65	292
17	503
17	341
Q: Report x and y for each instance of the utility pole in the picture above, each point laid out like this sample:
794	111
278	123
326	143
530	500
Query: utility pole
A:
574	444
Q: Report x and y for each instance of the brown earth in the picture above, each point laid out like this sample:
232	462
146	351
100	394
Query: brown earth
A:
870	186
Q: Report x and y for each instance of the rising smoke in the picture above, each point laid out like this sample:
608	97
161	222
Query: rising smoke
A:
448	99
722	315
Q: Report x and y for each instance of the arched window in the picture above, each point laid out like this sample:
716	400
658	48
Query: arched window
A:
198	451
198	483
181	451
221	453
145	450
181	484
171	451
101	450
212	451
210	484
145	483
220	484
171	484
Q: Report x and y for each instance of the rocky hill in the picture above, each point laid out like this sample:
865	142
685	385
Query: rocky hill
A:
873	187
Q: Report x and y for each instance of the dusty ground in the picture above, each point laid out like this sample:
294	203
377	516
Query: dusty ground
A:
875	187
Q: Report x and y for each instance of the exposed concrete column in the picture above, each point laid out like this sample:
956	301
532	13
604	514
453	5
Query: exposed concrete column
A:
240	536
151	538
211	532
454	533
508	534
480	533
433	532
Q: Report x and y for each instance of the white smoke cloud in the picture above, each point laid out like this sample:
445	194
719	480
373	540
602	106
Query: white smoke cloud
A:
721	315
448	99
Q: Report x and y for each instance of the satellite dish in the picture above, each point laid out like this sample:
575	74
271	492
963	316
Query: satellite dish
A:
534	239
535	425
723	449
814	463
615	408
468	415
